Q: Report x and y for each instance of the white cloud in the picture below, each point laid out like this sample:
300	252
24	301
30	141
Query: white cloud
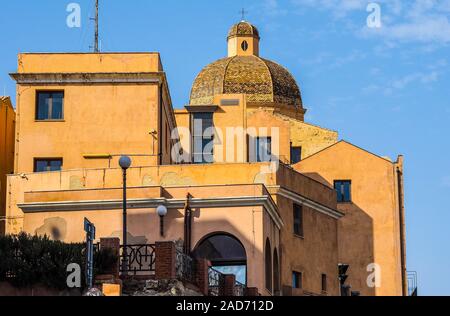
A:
409	21
271	7
350	58
398	84
422	29
339	8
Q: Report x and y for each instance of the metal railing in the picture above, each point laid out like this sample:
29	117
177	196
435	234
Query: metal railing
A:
216	282
412	283
139	258
185	267
239	289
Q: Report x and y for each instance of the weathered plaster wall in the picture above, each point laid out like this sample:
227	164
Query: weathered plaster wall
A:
311	138
314	254
89	63
104	185
7	127
370	230
99	119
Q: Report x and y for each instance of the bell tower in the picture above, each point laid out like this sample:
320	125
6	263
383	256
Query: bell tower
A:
243	40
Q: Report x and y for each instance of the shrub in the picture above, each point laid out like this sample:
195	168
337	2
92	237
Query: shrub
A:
29	260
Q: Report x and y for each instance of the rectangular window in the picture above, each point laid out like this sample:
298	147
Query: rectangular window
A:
50	164
344	190
263	149
296	155
203	138
324	283
298	220
229	102
49	105
297	280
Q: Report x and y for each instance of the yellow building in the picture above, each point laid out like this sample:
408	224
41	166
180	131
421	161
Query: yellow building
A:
260	195
7	123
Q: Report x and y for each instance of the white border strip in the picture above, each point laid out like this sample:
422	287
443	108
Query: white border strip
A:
98	205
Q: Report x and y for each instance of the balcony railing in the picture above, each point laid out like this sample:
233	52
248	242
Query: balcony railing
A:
216	282
185	267
138	259
239	289
412	283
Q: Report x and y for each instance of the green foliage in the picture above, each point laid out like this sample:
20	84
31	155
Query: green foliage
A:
29	260
105	261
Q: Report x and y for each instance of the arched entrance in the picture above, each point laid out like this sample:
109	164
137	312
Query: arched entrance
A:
226	253
276	273
268	266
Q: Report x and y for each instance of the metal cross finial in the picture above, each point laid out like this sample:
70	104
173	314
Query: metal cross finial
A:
243	13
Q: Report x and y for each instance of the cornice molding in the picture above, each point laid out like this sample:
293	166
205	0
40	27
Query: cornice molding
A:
99	205
87	78
301	200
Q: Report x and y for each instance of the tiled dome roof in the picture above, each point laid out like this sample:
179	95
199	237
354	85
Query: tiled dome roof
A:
262	81
243	29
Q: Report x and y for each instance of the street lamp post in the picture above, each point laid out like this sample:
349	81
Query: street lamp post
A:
125	163
162	212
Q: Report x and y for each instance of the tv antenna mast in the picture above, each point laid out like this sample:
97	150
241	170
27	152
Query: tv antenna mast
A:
96	49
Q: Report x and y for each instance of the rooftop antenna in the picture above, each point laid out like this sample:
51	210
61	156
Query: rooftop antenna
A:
243	13
96	50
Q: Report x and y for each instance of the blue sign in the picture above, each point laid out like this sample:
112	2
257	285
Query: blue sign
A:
89	228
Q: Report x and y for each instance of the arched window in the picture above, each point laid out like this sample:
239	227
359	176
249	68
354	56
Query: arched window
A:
226	253
276	273
268	266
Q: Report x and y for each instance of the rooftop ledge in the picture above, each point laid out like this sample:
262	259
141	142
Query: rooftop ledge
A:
285	182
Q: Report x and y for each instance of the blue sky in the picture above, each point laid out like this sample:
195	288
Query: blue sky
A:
385	89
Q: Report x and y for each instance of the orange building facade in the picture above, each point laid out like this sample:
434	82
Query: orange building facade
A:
7	127
240	154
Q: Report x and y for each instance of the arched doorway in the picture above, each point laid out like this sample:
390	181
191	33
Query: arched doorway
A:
268	266
226	253
276	273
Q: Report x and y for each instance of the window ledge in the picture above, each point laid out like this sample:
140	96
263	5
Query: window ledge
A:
49	121
299	237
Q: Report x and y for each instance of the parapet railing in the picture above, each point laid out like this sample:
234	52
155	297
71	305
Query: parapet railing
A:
185	267
137	258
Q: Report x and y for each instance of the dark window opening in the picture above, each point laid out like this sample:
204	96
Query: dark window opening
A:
297	280
268	266
263	149
49	106
44	165
343	190
298	220
244	46
276	274
203	138
296	155
226	255
324	283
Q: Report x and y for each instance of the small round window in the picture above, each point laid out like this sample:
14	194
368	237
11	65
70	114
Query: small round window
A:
244	46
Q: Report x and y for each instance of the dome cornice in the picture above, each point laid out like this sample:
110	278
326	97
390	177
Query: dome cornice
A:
243	28
261	80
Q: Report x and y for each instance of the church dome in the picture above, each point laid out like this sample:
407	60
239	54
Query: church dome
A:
243	28
244	72
262	80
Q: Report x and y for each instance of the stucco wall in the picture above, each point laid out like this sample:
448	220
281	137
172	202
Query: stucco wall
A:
311	138
7	128
144	223
89	63
314	254
100	119
247	223
370	230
